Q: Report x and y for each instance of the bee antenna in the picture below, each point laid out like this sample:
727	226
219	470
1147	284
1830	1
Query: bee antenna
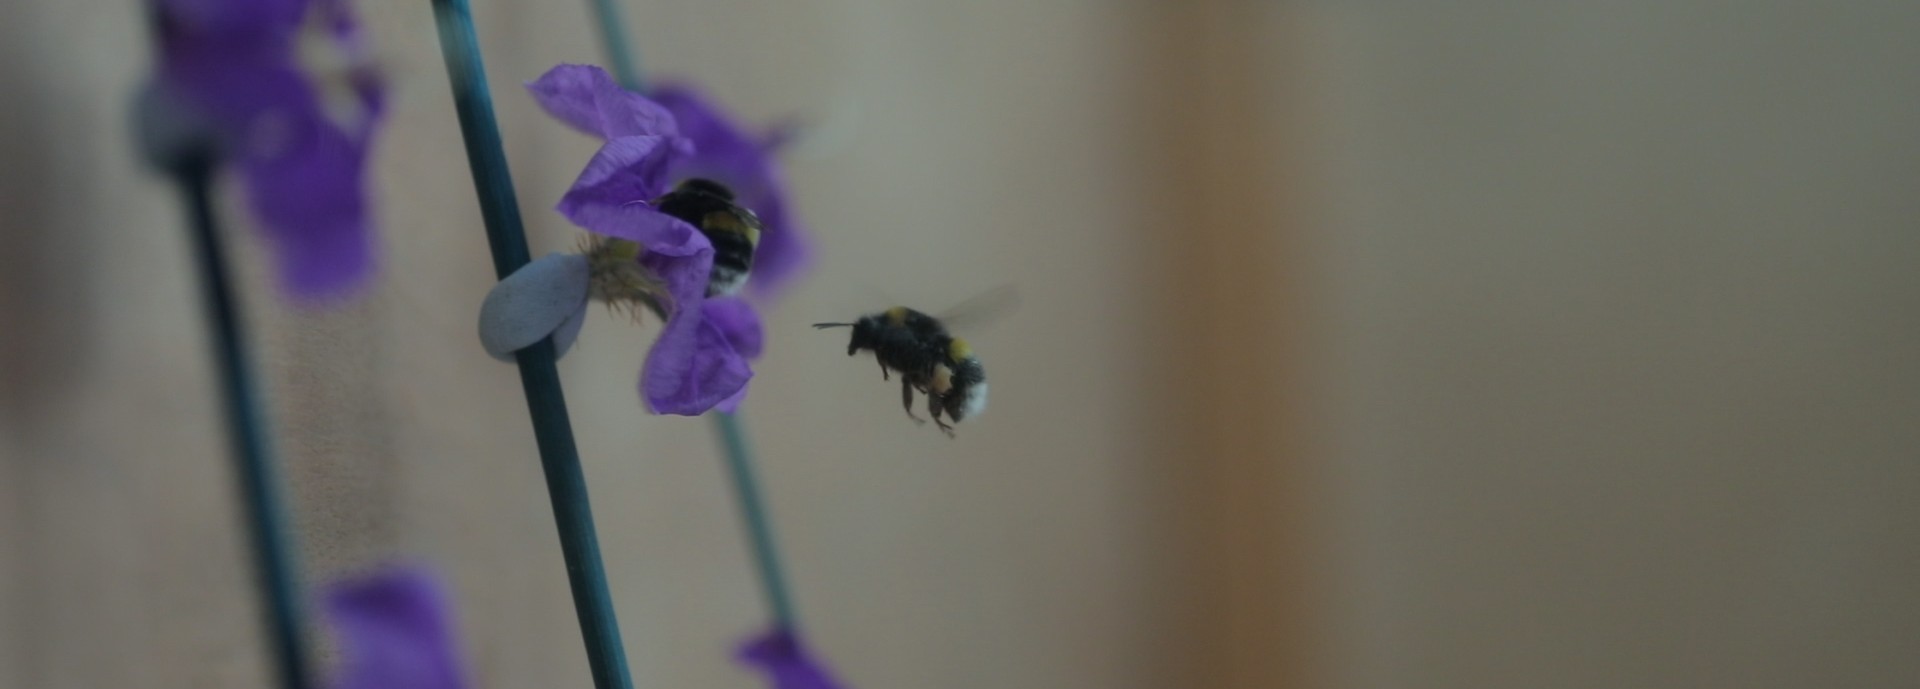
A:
824	326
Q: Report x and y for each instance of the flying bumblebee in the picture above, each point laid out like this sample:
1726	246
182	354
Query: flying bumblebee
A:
928	359
733	229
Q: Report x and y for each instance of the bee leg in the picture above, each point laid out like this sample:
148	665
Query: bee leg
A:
883	368
933	407
906	399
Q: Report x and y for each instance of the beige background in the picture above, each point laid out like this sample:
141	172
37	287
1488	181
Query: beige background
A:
1362	346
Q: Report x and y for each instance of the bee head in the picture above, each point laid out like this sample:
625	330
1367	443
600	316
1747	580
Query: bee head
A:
866	332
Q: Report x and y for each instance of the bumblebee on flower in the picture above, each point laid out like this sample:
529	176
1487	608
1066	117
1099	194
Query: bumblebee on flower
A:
664	242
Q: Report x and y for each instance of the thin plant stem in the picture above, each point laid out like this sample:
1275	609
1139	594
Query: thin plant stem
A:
539	377
613	38
740	464
248	433
753	513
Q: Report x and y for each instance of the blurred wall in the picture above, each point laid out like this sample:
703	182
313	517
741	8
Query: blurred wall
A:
1619	341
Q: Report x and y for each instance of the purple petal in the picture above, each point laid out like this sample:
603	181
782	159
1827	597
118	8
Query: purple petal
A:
728	154
656	231
737	320
684	276
544	297
740	325
627	171
786	662
587	98
721	141
305	181
691	368
395	633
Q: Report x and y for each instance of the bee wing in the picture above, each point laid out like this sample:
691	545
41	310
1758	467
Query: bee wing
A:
982	309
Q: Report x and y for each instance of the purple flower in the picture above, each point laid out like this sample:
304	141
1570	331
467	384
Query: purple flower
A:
727	154
395	633
228	77
644	256
780	654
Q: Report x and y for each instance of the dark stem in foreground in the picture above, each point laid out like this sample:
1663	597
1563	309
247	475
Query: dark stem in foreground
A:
753	513
252	445
553	433
740	465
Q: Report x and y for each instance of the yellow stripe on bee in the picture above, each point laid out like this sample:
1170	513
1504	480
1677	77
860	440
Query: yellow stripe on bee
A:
897	316
729	221
942	380
959	351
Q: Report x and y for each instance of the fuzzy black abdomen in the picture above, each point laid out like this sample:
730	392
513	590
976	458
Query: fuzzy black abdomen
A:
732	261
733	230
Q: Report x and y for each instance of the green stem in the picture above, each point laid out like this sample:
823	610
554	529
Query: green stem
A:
753	513
539	377
613	37
251	443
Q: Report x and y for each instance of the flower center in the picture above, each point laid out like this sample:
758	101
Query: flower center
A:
616	278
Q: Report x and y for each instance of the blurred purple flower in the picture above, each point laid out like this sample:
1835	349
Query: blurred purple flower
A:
727	154
395	632
781	656
228	78
698	361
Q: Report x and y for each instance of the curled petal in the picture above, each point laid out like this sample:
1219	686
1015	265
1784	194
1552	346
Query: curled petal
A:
395	633
737	320
740	325
685	277
691	368
655	231
587	98
786	661
629	170
693	365
545	297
